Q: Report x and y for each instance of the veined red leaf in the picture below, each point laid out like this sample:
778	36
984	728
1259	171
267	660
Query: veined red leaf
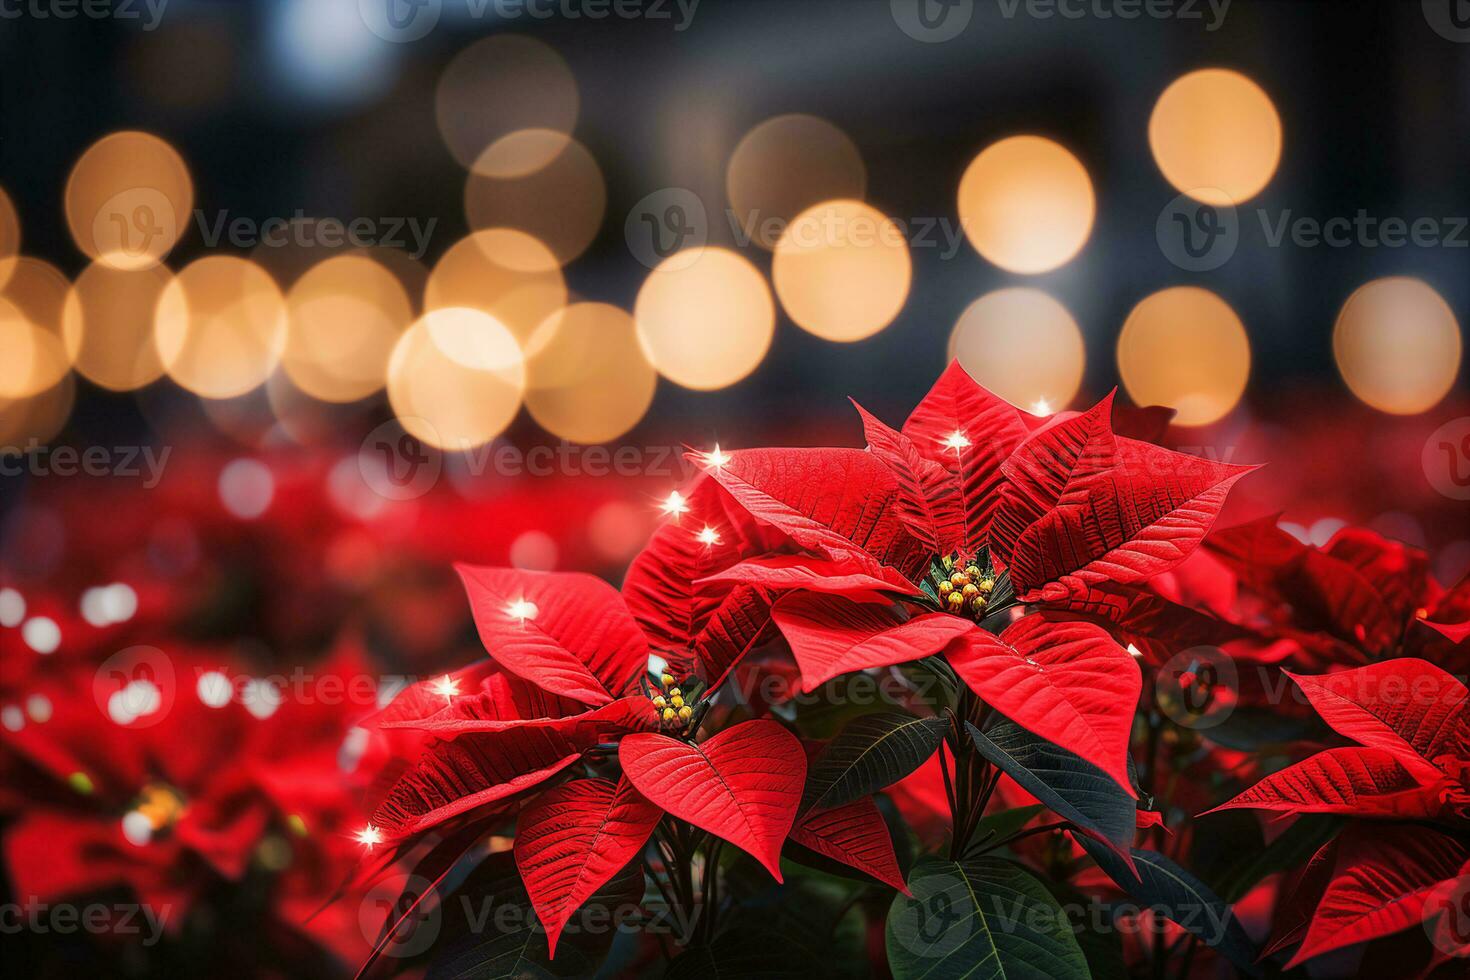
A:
1383	878
839	503
692	619
928	501
499	698
742	785
970	432
856	835
470	772
485	712
1158	626
567	632
1126	524
1064	680
831	636
1363	782
1409	707
574	839
786	573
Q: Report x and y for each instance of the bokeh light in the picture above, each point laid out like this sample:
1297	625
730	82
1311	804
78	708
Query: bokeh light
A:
456	378
1185	348
785	166
842	270
1026	204
561	203
346	313
30	325
1397	345
9	237
107	323
1024	345
39	417
507	274
705	318
220	326
497	86
1216	136
591	383
128	200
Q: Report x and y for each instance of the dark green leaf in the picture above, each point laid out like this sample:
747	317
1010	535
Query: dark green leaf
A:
996	827
870	753
1292	849
1071	787
984	919
1177	895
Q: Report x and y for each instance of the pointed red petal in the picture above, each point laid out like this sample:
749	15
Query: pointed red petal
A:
856	835
1064	680
743	785
566	632
1363	782
831	636
574	839
929	501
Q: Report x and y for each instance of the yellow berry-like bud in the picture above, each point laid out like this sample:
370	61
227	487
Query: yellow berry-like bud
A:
668	680
977	605
659	702
676	701
670	714
956	600
685	713
970	591
945	588
674	692
973	571
958	579
986	585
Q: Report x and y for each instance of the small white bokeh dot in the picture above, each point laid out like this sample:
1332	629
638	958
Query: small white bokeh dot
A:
41	634
12	608
12	718
137	828
214	689
38	706
260	697
246	488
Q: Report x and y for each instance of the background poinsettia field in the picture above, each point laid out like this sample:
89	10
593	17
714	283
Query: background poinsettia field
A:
850	488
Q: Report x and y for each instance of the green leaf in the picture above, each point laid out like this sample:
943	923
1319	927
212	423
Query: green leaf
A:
1177	895
1292	849
1071	787
984	919
870	753
996	827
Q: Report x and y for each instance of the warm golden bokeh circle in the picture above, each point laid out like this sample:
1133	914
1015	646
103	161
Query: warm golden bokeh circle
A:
1026	204
497	86
128	200
346	314
1184	347
9	237
591	383
35	296
1024	345
1398	345
506	274
107	323
561	204
842	270
705	318
786	165
1216	136
220	326
455	378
